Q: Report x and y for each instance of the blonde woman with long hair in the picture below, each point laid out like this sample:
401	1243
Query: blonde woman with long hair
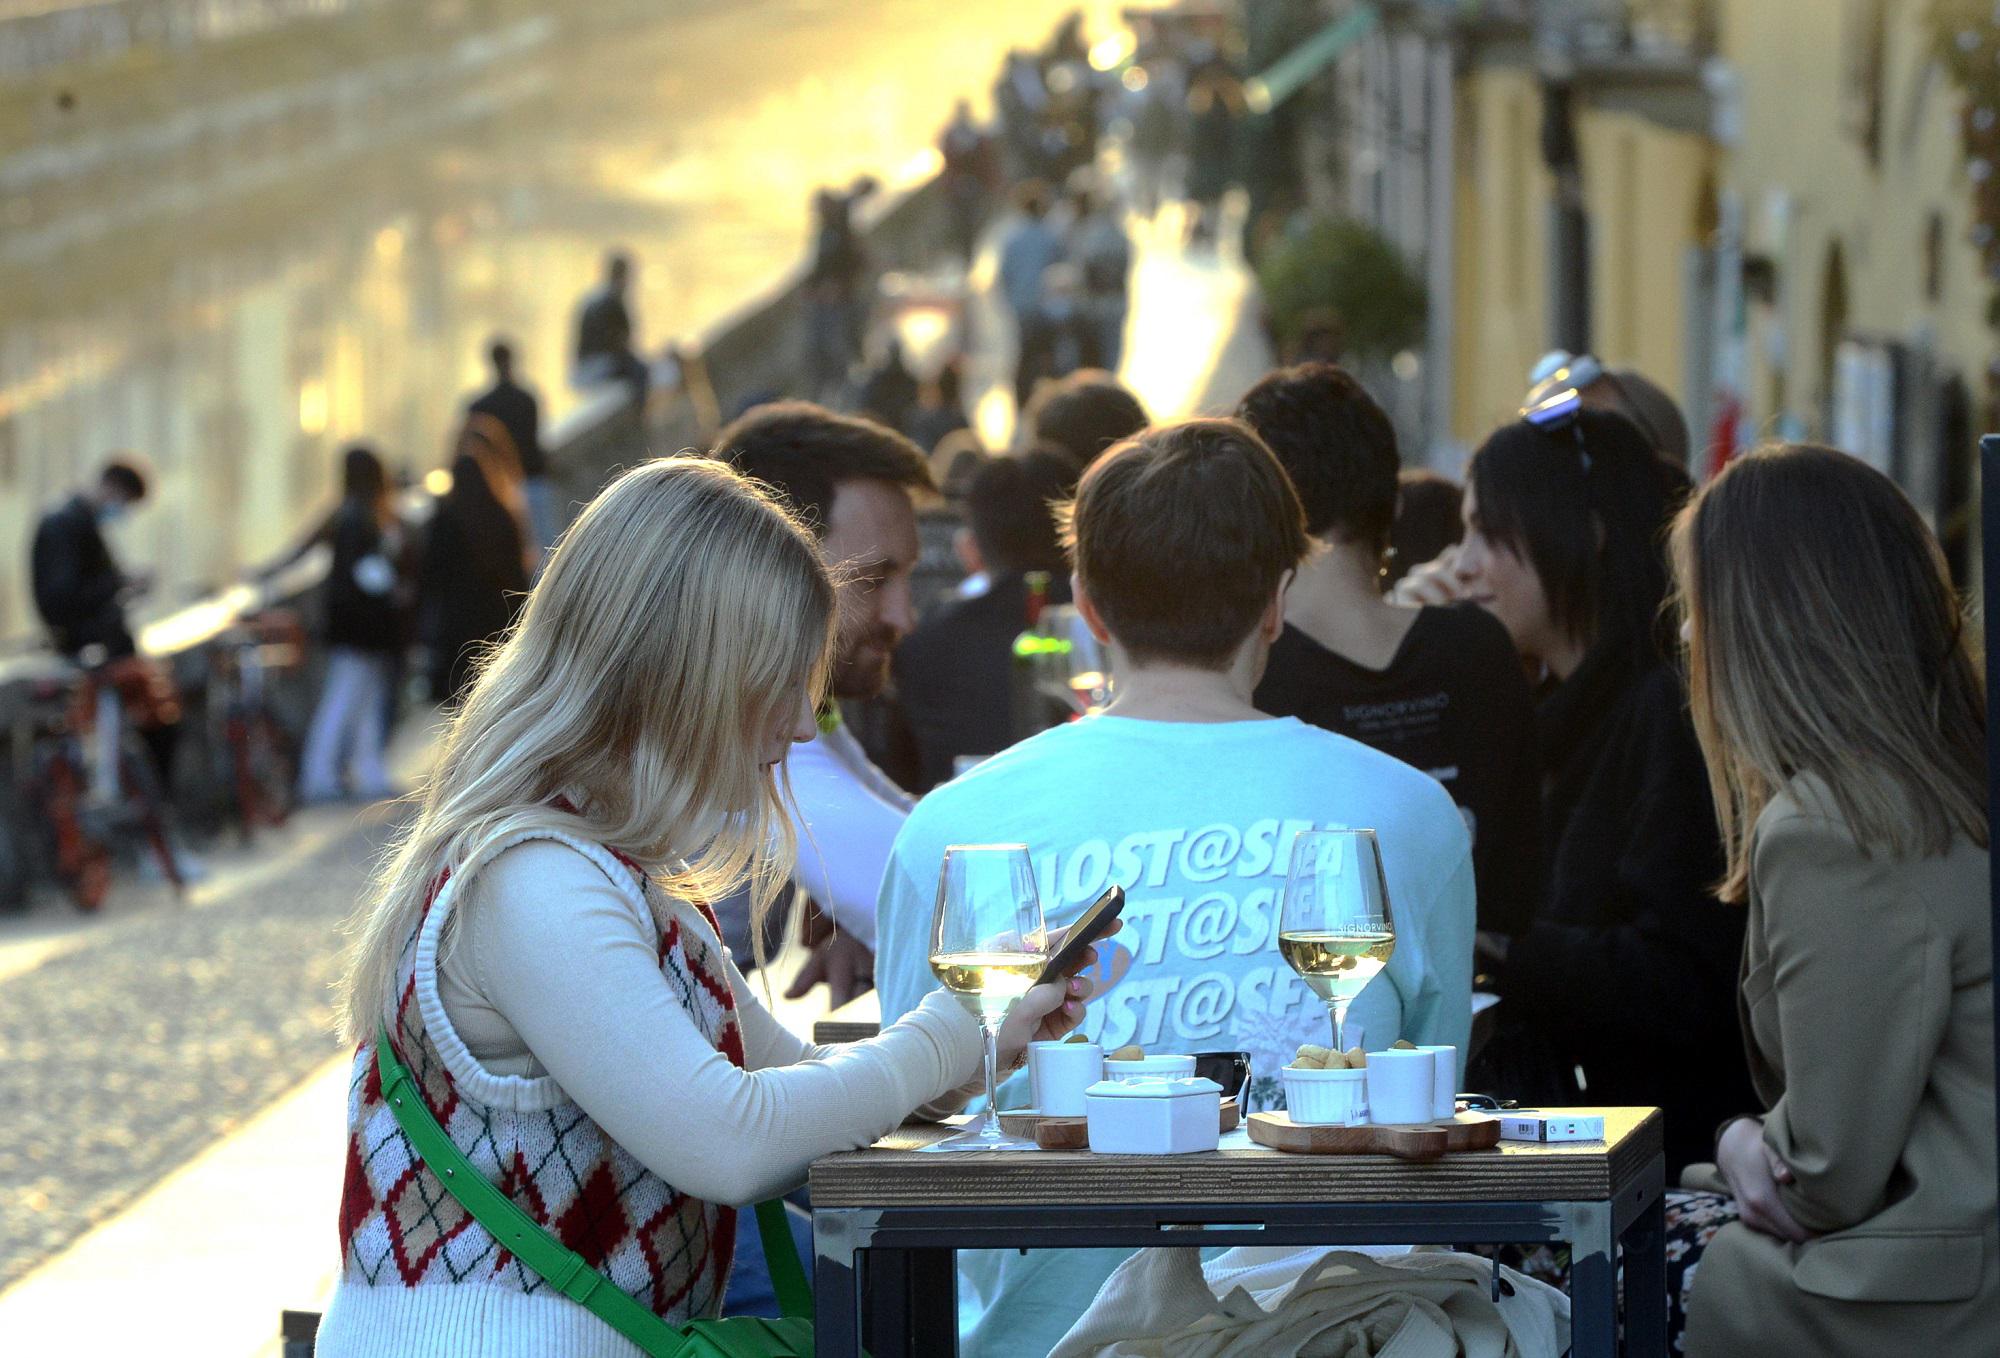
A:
1843	720
539	953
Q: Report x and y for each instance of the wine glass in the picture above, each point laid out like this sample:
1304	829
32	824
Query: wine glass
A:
988	944
1334	928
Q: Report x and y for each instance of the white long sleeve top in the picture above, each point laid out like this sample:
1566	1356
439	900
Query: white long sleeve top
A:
846	815
554	971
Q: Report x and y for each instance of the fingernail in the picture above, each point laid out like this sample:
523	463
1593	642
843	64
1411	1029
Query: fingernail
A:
1072	1007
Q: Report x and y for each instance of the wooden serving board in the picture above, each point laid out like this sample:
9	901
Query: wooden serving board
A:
1073	1134
1415	1141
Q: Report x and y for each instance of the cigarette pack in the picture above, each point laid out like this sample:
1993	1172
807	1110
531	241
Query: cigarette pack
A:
1551	1127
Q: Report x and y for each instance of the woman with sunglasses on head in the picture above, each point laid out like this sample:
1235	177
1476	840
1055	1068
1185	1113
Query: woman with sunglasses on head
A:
539	957
1627	971
1844	720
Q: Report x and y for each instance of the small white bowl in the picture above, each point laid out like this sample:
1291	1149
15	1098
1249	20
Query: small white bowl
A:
1323	1098
1150	1068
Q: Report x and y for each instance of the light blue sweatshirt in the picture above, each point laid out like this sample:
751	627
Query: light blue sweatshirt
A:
1196	822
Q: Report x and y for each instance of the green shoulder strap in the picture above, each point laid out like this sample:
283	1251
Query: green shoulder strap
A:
564	1268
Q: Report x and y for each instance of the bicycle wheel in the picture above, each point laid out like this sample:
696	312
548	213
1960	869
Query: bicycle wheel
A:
149	807
267	769
80	857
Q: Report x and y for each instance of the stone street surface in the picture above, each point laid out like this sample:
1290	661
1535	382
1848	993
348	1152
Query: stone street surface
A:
148	1038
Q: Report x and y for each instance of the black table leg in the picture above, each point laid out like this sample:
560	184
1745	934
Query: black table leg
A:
910	1305
836	1289
1645	1245
1593	1285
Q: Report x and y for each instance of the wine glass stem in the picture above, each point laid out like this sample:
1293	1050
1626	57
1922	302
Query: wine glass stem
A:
990	1122
1337	1012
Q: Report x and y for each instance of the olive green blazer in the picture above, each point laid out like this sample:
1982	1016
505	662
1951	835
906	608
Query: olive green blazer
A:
1867	1008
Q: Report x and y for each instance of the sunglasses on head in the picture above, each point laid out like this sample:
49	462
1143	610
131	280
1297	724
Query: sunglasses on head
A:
1554	405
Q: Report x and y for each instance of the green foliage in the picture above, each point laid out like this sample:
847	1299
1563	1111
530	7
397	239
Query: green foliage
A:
1337	265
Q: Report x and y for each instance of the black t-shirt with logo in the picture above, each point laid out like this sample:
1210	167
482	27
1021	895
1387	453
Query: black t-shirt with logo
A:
1455	703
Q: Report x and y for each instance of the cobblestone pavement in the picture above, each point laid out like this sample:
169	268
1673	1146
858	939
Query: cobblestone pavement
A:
157	1033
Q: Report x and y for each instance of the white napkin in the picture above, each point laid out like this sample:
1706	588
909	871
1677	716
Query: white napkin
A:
1317	1303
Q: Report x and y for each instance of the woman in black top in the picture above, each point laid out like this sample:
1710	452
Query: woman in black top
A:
364	630
1439	688
1628	971
473	577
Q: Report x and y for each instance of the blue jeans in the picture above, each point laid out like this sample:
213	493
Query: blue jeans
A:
750	1291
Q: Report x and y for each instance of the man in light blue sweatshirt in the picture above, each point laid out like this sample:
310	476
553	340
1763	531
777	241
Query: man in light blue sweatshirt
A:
1184	540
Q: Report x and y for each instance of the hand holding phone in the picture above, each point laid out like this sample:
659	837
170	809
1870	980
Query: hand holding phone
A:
1099	921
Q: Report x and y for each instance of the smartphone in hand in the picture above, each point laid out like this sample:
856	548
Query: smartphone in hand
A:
1099	921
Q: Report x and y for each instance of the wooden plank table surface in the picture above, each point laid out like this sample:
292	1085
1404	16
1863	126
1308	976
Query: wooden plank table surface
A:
1239	1170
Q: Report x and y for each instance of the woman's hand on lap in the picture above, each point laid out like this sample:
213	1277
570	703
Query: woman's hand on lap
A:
1754	1172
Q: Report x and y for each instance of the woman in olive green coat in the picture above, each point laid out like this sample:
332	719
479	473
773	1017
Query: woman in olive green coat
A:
1843	719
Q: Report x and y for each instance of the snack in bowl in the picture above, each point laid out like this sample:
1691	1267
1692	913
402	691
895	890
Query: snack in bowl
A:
1132	1063
1326	1088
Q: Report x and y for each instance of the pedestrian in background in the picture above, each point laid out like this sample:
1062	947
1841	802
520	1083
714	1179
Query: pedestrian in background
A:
518	410
1028	248
472	579
1083	413
1102	252
364	630
605	333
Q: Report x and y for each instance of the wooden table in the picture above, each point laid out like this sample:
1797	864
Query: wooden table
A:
887	1223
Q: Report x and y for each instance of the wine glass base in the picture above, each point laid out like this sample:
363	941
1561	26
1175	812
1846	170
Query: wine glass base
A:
977	1138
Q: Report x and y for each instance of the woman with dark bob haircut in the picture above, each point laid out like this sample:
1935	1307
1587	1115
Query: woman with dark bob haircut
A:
1621	989
1844	720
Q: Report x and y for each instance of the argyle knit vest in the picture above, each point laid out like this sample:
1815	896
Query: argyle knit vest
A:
418	1274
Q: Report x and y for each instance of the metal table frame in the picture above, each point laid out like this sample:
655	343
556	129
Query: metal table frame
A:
887	1277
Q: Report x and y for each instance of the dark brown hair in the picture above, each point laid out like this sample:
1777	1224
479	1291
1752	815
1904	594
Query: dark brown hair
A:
1180	537
806	452
1336	444
1824	638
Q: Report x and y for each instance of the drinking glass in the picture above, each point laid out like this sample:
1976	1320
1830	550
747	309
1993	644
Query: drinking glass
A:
1334	927
988	944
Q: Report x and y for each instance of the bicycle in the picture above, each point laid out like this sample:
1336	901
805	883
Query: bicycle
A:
261	751
84	808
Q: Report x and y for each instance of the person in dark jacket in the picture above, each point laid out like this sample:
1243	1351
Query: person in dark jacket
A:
954	673
1438	688
472	579
364	630
1626	976
79	589
517	408
605	333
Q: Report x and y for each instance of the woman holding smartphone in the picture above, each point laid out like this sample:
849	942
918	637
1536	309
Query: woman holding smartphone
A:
1844	722
539	950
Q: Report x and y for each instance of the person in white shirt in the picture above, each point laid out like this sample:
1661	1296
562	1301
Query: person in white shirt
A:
1184	540
851	480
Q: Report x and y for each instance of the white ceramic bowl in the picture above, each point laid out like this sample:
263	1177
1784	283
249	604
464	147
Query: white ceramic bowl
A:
1337	1098
1150	1068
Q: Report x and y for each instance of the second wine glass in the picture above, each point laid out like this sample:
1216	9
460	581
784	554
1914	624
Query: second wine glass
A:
1334	928
988	944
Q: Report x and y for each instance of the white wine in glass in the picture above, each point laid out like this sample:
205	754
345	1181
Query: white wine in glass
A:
988	944
1334	928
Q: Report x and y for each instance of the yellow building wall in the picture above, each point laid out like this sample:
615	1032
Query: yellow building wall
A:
1502	245
1797	146
1643	185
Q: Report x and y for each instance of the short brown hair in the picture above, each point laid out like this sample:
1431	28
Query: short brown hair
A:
807	452
1180	537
